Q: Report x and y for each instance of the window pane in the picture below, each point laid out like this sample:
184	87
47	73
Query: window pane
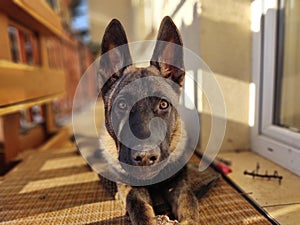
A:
52	3
14	43
28	48
288	82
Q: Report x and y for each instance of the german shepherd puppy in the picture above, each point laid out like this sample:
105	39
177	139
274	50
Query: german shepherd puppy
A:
117	67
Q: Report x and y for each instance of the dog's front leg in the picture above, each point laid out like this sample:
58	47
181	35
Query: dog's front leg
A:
184	203
139	207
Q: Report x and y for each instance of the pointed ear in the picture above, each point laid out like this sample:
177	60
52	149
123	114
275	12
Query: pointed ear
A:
115	54
168	52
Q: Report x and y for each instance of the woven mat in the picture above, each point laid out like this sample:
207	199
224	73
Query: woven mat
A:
56	187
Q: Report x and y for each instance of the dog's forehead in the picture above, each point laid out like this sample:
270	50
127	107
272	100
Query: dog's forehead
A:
145	81
141	71
132	73
137	83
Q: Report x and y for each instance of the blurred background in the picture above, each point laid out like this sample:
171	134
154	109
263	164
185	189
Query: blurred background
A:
252	47
47	46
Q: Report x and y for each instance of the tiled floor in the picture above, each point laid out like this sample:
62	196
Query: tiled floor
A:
281	201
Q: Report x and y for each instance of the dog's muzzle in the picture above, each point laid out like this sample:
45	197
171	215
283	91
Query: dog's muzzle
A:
145	155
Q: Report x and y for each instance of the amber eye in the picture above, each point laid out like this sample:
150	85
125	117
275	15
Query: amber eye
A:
122	105
163	104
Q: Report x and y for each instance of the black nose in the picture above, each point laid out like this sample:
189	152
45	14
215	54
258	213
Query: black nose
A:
145	156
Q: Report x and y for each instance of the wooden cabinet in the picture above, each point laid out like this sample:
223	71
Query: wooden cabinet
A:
39	63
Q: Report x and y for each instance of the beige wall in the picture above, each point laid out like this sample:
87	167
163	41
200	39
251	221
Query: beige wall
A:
101	12
225	45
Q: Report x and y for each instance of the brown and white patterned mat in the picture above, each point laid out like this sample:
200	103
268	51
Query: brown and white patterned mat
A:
55	186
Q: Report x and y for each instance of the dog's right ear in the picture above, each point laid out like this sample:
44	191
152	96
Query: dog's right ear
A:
168	52
115	54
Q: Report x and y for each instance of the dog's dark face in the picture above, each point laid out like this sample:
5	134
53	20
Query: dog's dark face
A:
140	103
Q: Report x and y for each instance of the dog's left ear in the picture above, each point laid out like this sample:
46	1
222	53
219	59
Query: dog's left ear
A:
115	54
115	36
168	52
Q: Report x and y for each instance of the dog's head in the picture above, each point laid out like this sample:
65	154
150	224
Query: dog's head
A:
140	103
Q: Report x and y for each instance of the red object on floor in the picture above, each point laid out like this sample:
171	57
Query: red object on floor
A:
223	168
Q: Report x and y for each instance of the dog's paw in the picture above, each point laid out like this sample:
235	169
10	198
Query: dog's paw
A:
165	220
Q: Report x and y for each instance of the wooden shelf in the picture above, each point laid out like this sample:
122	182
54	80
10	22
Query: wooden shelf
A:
26	104
35	14
20	82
